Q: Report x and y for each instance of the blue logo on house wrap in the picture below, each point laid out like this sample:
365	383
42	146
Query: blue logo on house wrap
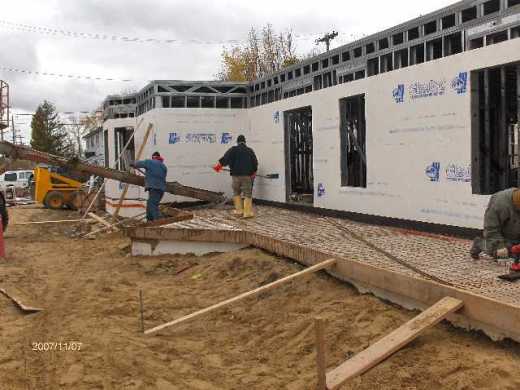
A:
398	94
226	138
427	89
433	171
175	138
460	83
321	190
458	173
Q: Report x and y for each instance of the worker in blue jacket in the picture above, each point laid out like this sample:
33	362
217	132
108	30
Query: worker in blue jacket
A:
154	183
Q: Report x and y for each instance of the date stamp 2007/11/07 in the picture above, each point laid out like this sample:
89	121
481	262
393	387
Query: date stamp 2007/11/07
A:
56	346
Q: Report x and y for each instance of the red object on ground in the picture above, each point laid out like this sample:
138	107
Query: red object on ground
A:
515	267
2	243
515	250
218	168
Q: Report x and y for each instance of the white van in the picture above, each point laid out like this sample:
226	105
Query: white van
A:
16	179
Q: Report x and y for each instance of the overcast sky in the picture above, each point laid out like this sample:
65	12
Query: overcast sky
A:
33	48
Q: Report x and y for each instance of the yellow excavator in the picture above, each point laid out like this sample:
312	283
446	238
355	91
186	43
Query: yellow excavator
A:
56	191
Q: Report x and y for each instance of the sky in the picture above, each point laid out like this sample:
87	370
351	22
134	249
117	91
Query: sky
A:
102	47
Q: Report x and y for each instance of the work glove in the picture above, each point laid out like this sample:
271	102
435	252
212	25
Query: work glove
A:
218	167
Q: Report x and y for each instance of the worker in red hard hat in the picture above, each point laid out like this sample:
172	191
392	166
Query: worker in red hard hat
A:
243	165
154	183
501	227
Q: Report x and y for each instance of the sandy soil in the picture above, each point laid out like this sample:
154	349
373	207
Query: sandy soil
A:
89	290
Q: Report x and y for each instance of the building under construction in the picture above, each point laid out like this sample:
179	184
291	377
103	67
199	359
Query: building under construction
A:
418	122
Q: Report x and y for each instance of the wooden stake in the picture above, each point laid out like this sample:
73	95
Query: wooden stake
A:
318	267
141	306
137	157
321	358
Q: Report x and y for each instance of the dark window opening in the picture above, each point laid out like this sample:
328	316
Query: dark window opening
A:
469	14
237	102
270	96
430	28
107	153
257	87
315	66
453	44
398	38
348	78
495	137
515	33
353	142
345	56
193	102
299	170
449	21
325	63
181	88
282	78
373	67
413	33
335	59
299	91
358	52
207	102
165	101
360	74
383	44
290	75
269	83
434	49
262	85
308	88
496	38
512	3
275	80
370	48
387	63
318	83
491	6
417	54
178	101
251	102
223	102
306	69
204	90
476	43
401	59
327	80
297	73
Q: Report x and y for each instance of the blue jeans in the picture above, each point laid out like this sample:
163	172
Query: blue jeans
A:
152	205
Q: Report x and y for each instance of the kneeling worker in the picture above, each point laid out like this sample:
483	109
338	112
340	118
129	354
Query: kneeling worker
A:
154	183
243	164
501	226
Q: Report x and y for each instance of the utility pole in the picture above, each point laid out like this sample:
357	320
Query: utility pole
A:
14	131
327	38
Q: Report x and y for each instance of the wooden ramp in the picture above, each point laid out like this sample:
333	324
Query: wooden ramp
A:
390	344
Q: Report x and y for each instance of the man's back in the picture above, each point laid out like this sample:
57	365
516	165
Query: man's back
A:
156	173
241	160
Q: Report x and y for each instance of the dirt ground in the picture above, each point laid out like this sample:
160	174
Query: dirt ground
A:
89	290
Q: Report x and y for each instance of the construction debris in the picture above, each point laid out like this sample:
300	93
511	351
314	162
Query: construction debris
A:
19	304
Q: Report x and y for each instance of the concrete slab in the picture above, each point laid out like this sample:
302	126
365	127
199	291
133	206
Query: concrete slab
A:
490	304
168	247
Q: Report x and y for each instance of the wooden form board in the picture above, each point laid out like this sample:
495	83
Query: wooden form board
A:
102	221
392	343
497	319
315	268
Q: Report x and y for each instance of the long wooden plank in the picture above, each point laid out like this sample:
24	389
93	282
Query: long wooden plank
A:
102	221
50	222
137	157
392	343
19	304
318	267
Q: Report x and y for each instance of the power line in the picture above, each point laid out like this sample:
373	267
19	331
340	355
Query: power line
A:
64	76
121	38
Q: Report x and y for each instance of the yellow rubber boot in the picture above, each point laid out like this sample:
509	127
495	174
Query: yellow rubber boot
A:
248	208
239	207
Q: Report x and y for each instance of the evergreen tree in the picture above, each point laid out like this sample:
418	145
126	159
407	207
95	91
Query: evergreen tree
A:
47	134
